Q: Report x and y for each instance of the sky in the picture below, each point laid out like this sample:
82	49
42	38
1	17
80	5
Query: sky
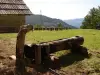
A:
62	9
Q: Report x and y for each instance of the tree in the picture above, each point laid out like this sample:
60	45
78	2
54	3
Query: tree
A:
37	26
60	25
91	19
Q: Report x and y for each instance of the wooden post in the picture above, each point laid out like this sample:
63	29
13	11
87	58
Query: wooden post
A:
48	49
20	66
38	54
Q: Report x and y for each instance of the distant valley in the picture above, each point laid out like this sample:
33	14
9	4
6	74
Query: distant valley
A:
75	22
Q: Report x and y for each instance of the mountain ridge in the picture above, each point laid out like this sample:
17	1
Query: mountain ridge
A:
75	22
46	21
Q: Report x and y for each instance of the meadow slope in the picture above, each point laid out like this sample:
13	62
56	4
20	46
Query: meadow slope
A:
73	64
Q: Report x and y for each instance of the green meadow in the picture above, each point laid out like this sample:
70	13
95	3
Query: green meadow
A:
92	37
74	64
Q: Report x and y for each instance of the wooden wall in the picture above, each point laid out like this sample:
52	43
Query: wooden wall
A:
11	23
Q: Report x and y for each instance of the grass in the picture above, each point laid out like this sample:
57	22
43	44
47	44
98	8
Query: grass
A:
92	37
71	62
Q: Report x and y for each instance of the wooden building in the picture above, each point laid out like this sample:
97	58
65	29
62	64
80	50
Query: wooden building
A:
12	15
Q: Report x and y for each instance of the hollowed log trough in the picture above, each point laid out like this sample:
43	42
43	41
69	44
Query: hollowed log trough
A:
40	51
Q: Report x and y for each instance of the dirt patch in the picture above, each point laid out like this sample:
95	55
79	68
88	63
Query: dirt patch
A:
7	48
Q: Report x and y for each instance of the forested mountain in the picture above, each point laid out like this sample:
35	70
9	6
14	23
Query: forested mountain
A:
46	21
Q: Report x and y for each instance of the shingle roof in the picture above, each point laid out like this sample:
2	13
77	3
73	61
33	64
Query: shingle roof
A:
9	7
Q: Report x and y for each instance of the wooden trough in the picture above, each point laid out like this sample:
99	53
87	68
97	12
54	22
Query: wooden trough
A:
44	49
40	51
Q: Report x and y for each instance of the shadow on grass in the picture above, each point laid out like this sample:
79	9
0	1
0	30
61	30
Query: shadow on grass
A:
63	61
70	58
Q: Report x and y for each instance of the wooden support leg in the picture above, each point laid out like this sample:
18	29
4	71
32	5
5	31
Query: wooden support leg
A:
48	49
38	55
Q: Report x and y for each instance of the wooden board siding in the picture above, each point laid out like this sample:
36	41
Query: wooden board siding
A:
12	15
9	29
11	23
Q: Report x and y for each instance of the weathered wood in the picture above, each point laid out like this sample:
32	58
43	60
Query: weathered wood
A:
38	55
43	50
11	23
47	49
20	66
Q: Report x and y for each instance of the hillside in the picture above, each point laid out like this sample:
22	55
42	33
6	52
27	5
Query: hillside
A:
46	21
75	22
